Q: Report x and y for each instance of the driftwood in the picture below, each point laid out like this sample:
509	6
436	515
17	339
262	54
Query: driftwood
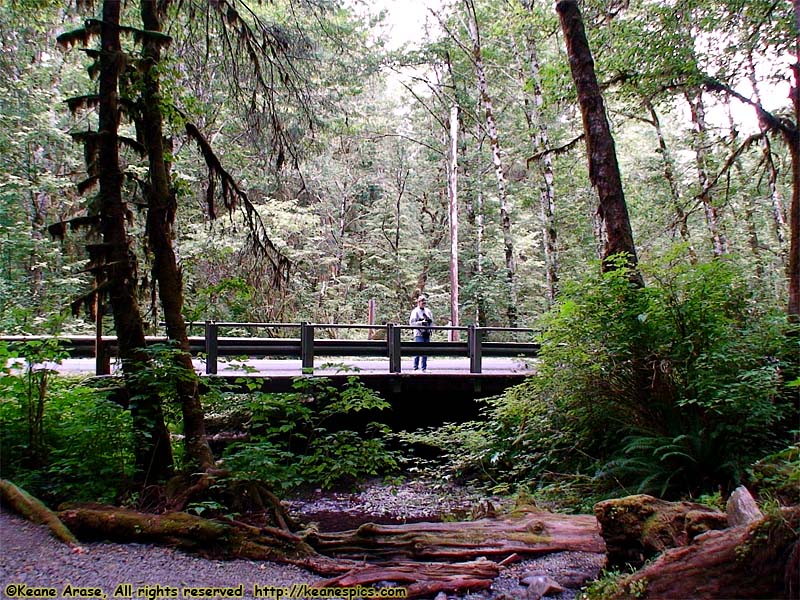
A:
526	532
761	560
34	510
423	579
448	553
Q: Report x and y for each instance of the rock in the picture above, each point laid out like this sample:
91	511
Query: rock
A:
574	579
527	577
742	508
636	528
441	596
541	585
570	578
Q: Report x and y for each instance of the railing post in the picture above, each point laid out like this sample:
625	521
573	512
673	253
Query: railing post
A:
211	347
393	347
307	347
474	340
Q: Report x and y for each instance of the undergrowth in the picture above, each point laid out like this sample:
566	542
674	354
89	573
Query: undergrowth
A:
63	439
675	389
307	436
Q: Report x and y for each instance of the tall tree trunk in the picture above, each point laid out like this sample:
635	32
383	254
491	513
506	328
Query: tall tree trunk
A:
603	166
153	453
452	197
491	126
669	175
697	109
793	141
541	143
392	231
474	214
162	206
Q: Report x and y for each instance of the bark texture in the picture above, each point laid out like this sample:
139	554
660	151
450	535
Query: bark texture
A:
603	166
527	532
424	580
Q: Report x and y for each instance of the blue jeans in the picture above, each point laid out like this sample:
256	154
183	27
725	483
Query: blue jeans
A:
421	339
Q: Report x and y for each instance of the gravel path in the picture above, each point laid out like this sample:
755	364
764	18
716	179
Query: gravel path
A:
32	557
29	556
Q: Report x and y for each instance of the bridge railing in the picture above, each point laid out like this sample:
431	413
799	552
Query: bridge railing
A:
307	346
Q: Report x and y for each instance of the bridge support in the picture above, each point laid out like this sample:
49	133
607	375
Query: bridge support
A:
102	365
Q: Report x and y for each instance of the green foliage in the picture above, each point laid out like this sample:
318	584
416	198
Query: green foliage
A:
303	436
162	377
61	439
778	476
673	389
614	583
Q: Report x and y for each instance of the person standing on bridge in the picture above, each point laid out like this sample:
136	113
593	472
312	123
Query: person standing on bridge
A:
421	318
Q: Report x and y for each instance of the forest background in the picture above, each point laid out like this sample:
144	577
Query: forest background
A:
352	160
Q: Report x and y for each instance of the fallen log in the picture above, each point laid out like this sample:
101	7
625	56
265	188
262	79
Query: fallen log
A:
760	560
207	537
525	532
34	510
423	579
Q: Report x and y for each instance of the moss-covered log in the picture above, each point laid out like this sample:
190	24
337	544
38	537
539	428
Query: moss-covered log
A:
34	510
757	561
208	537
637	528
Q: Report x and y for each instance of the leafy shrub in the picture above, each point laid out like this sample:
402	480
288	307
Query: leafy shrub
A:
673	389
302	436
61	439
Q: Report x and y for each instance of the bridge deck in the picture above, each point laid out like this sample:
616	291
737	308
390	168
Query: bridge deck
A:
447	392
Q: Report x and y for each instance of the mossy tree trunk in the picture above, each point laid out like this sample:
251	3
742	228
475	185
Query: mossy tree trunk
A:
153	453
161	210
